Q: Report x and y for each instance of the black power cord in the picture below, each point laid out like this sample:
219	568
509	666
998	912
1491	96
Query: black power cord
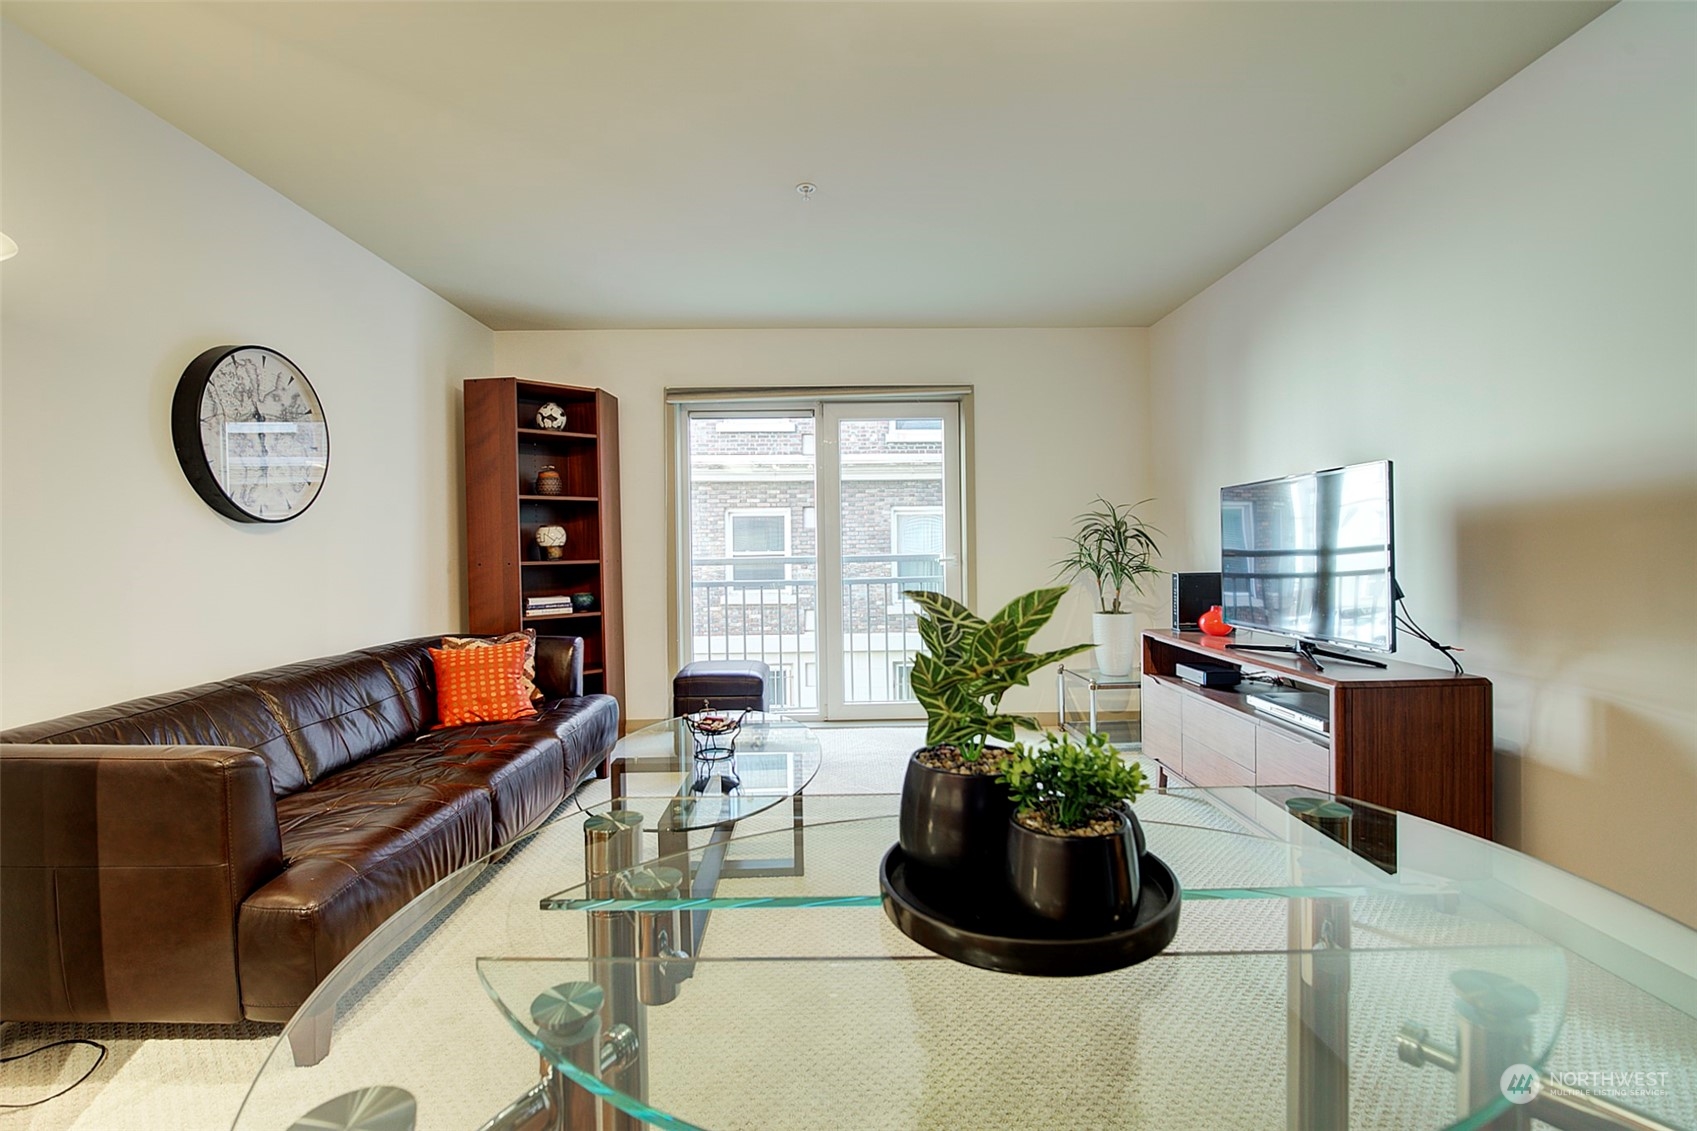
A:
1406	620
98	1061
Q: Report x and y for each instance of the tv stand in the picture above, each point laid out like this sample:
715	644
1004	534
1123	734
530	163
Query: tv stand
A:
1403	736
1307	651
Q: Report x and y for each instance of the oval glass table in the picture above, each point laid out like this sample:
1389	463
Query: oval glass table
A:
1335	966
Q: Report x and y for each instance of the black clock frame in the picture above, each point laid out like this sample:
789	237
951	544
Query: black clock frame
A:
191	453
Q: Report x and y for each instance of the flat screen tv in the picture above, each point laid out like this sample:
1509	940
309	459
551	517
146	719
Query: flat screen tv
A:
1312	557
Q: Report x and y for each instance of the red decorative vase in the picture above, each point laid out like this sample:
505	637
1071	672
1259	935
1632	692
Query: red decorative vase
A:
1213	622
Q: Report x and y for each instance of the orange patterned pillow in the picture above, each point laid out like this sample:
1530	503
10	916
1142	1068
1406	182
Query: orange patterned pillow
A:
480	685
527	635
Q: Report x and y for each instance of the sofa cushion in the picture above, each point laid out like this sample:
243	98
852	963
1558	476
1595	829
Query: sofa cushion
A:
520	765
340	709
587	726
227	713
356	854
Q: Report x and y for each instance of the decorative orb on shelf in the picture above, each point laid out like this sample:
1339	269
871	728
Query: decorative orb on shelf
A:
552	541
548	482
552	417
1213	623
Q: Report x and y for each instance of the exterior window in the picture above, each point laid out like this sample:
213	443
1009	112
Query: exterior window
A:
756	534
901	679
915	432
917	530
778	687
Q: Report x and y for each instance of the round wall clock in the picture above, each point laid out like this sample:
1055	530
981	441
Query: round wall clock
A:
250	433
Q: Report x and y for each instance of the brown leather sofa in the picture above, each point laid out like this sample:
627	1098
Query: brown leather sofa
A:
211	854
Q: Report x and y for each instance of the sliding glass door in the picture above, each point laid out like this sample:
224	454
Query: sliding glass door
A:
805	528
889	479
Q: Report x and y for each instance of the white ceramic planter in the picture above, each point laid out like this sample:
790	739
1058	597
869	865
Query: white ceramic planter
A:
1116	642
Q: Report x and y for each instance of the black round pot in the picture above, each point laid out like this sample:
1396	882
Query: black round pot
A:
955	824
1087	882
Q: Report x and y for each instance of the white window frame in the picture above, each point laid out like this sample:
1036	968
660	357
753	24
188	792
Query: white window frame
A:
896	675
784	677
896	513
778	593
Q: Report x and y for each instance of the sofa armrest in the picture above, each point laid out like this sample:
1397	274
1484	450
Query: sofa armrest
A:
559	666
122	869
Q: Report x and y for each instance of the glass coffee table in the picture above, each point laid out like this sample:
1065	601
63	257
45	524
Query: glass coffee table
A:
1434	981
706	783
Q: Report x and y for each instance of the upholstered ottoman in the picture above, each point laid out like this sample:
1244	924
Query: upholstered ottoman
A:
724	685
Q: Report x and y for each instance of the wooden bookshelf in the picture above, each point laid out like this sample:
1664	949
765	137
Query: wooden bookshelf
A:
504	449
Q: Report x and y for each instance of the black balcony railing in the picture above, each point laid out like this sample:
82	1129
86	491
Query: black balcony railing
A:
774	618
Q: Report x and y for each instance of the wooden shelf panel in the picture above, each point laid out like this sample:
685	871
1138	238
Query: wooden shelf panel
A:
561	616
564	562
586	436
558	499
1396	672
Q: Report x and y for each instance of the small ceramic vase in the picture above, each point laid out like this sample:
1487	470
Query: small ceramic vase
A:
551	540
1213	623
548	482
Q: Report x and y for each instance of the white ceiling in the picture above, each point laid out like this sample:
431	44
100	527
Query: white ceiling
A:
567	165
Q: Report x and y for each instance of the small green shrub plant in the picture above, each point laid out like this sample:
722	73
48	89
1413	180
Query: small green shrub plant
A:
1066	787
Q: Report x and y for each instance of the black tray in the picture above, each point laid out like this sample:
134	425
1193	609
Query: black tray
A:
994	932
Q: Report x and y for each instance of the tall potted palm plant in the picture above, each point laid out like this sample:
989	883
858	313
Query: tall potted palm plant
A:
1114	548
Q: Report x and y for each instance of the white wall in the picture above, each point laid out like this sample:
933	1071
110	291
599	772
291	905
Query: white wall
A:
1509	311
1058	418
140	248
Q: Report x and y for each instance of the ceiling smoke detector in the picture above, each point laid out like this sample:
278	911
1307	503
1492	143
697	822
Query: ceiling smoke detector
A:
807	189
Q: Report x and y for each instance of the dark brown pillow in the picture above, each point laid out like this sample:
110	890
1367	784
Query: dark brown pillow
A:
555	660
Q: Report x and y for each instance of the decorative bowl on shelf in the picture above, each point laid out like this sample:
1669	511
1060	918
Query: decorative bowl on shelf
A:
583	602
552	417
714	733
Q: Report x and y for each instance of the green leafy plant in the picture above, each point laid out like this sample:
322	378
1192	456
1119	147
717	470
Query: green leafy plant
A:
1069	783
968	664
1114	548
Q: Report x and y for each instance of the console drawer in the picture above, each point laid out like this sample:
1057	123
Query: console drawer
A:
1228	733
1205	766
1282	758
1161	730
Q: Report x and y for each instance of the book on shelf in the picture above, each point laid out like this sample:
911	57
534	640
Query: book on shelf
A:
551	606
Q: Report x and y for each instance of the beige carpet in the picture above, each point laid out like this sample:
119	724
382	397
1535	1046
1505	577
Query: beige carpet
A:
1142	1046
